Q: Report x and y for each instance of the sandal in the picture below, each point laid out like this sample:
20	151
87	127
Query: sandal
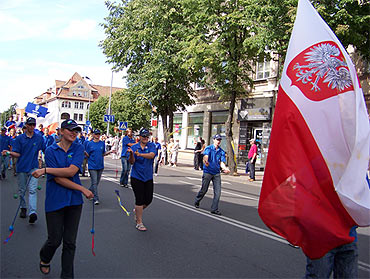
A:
141	227
44	266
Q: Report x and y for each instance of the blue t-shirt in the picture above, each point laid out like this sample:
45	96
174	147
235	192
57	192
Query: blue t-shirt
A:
143	168
48	140
158	147
125	141
9	123
29	149
58	196
4	142
215	157
95	151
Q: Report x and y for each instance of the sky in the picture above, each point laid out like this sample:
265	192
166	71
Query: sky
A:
46	40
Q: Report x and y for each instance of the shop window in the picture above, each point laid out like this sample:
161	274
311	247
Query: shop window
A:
177	125
195	129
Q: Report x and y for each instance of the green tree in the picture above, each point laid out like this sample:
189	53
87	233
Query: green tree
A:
146	37
4	116
97	111
224	39
126	107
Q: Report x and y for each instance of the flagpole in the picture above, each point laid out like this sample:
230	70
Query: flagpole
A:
110	97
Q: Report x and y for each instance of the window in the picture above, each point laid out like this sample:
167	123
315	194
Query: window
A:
75	116
80	117
263	70
195	129
177	125
66	104
81	105
218	126
76	105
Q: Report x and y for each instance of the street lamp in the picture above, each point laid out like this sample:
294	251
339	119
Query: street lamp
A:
88	111
110	97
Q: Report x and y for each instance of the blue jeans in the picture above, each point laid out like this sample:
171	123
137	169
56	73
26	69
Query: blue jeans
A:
95	176
4	163
32	190
126	167
341	260
216	181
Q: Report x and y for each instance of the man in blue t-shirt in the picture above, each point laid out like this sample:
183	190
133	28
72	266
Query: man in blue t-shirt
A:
141	157
127	142
157	158
213	159
26	148
5	144
10	122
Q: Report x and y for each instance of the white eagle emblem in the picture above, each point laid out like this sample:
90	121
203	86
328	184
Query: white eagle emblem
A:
324	64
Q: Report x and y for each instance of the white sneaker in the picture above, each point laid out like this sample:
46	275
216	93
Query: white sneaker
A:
155	174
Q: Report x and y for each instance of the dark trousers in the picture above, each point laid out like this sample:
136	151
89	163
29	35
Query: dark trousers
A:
156	159
252	169
62	225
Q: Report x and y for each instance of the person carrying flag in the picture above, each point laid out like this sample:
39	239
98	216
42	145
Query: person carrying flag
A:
63	201
141	158
95	152
5	144
26	148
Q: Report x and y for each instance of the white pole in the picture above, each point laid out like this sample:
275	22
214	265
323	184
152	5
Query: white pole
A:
110	97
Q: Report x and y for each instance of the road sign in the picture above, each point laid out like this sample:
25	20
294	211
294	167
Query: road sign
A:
109	118
123	126
88	123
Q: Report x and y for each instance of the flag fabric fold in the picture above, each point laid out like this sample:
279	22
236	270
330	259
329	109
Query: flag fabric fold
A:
315	189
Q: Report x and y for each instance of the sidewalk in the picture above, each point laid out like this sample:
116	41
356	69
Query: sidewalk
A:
185	162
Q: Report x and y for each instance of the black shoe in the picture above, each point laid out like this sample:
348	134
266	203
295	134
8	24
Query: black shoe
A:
23	213
196	204
33	218
216	212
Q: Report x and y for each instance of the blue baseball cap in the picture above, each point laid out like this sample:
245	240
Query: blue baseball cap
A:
144	133
217	136
30	121
96	132
70	125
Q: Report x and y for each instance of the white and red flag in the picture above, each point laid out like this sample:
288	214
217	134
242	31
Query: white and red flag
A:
314	188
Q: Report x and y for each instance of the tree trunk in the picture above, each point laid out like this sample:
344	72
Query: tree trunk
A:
229	136
164	125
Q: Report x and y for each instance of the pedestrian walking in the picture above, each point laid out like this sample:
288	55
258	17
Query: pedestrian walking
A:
164	160
5	144
63	201
169	150
13	136
141	158
26	148
252	157
95	152
174	153
197	154
213	159
158	155
127	141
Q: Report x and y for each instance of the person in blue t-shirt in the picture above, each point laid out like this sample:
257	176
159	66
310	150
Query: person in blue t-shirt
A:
158	155
141	158
26	148
63	201
213	159
5	144
127	142
10	122
48	140
95	152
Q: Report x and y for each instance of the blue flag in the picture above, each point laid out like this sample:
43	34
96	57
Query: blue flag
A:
36	109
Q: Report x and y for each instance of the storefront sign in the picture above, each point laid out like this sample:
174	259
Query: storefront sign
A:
254	114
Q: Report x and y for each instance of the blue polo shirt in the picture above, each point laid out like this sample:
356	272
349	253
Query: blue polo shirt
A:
48	140
157	147
125	141
29	149
9	123
5	142
215	157
95	151
58	196
143	168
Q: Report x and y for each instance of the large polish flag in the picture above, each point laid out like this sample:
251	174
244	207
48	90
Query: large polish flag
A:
314	188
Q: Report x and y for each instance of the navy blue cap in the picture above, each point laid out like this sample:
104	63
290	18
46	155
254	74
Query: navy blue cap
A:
96	131
70	125
217	136
144	133
30	120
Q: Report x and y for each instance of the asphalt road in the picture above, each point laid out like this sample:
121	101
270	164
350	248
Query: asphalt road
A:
181	241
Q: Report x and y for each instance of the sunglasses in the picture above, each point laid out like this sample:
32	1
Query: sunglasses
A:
32	124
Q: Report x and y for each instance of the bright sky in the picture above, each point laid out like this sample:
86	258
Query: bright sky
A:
46	40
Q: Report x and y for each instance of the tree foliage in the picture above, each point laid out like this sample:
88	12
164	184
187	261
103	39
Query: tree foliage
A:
145	36
4	116
97	111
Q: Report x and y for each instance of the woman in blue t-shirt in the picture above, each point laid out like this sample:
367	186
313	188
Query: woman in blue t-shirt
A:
95	152
63	201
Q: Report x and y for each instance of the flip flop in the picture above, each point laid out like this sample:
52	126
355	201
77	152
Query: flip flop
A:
141	227
44	266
